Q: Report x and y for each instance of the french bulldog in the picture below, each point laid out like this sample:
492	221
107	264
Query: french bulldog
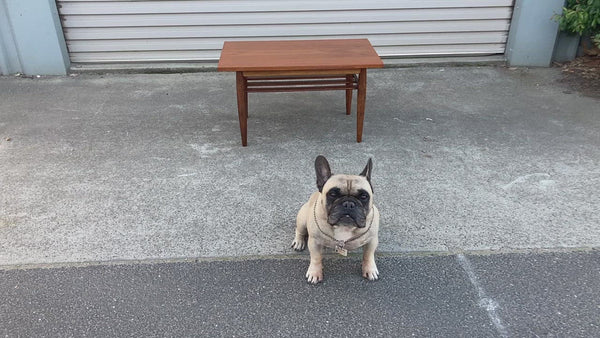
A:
340	215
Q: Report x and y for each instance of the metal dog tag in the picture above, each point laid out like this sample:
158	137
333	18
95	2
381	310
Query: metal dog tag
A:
339	248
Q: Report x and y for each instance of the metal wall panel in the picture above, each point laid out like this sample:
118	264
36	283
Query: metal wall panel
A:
103	31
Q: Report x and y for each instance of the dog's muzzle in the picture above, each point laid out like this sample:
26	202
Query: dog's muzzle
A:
347	211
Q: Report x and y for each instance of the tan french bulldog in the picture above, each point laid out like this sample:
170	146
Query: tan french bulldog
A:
341	215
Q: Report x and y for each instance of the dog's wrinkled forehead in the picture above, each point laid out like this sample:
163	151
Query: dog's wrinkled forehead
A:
348	184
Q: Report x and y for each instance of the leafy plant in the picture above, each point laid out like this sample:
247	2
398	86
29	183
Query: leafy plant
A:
581	17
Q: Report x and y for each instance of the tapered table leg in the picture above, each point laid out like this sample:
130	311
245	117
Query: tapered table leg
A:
242	101
349	89
360	104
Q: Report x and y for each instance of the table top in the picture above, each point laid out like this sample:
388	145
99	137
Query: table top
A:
298	55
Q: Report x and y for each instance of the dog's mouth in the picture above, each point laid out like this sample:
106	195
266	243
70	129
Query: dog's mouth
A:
347	211
345	220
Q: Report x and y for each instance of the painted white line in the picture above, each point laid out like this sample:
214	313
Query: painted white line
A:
485	302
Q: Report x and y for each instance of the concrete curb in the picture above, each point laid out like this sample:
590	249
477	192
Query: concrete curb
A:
297	256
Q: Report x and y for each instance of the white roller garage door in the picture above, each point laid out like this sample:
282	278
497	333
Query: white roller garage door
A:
104	31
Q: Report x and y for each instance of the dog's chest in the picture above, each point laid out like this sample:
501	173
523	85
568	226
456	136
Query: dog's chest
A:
342	233
345	234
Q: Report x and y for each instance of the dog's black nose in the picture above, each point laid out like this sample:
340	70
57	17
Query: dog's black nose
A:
349	205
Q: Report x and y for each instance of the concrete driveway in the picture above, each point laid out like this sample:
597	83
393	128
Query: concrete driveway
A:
133	167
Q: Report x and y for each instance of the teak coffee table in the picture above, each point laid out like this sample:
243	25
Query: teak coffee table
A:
300	65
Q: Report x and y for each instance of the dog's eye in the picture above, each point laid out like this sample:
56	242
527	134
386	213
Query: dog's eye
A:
333	194
364	197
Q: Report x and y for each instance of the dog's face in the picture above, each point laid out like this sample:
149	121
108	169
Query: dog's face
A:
348	198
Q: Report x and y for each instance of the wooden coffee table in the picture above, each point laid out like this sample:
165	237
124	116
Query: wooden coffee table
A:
300	65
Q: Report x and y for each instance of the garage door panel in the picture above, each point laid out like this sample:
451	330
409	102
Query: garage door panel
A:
217	43
231	6
100	31
253	18
256	31
208	55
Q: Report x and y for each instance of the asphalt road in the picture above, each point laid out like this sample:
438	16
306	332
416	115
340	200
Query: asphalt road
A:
499	295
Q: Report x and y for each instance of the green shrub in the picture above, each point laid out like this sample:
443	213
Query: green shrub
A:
581	17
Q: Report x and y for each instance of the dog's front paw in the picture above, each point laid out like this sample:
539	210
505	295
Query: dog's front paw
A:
314	274
370	272
299	244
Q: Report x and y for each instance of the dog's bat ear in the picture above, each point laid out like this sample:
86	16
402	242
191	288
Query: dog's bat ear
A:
323	171
368	170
